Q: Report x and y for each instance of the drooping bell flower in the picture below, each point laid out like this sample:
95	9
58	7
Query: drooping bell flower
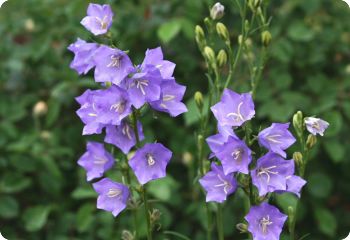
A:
99	18
316	125
155	58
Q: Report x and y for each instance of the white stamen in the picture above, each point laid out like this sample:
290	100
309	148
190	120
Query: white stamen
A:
115	61
118	107
99	160
113	192
272	138
159	66
163	105
141	84
237	154
167	98
264	223
126	131
102	22
150	159
227	186
267	171
92	114
237	116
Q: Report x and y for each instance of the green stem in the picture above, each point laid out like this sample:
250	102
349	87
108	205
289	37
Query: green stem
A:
219	223
209	224
146	207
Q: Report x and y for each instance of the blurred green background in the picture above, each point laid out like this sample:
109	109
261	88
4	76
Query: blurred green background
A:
43	192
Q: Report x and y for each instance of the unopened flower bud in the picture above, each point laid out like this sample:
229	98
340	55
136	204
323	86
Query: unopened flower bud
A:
187	158
217	11
29	25
198	98
240	39
127	235
298	122
207	23
155	216
200	37
298	158
266	38
221	58
246	25
254	4
291	216
311	141
210	56
40	109
200	141
222	31
242	228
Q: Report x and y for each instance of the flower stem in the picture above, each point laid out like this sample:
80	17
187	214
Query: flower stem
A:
146	207
219	223
209	227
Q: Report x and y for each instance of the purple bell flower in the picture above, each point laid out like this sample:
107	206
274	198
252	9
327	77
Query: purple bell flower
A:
123	135
235	156
113	196
170	98
150	162
154	57
218	185
276	138
265	222
316	125
234	109
112	65
294	184
271	173
83	56
96	160
98	19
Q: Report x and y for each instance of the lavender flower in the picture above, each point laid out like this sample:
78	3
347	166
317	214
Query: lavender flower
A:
96	160
170	99
316	125
265	222
123	136
83	56
217	141
98	19
295	184
144	86
112	65
113	196
235	156
154	57
276	138
234	109
150	162
218	185
271	173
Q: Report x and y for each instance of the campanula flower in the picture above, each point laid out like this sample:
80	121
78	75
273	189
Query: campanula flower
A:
170	98
99	18
154	57
271	173
150	162
96	160
112	196
235	156
276	138
216	142
316	125
83	56
295	184
265	222
218	185
112	65
234	109
123	135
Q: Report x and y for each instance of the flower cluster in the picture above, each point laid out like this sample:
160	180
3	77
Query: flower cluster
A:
125	88
270	173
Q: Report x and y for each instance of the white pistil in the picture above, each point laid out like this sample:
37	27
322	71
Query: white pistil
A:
92	114
237	116
118	107
272	138
115	61
141	84
266	171
237	154
102	22
167	98
150	159
126	131
316	126
227	186
99	160
114	192
264	223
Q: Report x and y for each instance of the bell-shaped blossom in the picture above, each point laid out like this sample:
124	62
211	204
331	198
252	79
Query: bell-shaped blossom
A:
88	112
316	125
294	185
112	196
96	160
170	98
99	18
271	173
276	138
235	156
144	87
265	222
112	65
218	185
113	105
155	57
83	56
150	162
123	135
216	142
234	109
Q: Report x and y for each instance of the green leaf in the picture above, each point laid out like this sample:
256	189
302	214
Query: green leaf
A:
335	123
35	217
8	207
326	221
83	193
163	189
12	183
298	31
319	185
85	216
335	150
192	115
286	200
168	30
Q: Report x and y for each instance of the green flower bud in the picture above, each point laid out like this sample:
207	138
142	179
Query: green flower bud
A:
40	109
221	58
200	141
108	84
298	122
198	98
127	235
246	25
298	158
242	228
266	38
222	31
240	39
200	37
207	23
217	11
155	216
311	141
210	56
291	214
